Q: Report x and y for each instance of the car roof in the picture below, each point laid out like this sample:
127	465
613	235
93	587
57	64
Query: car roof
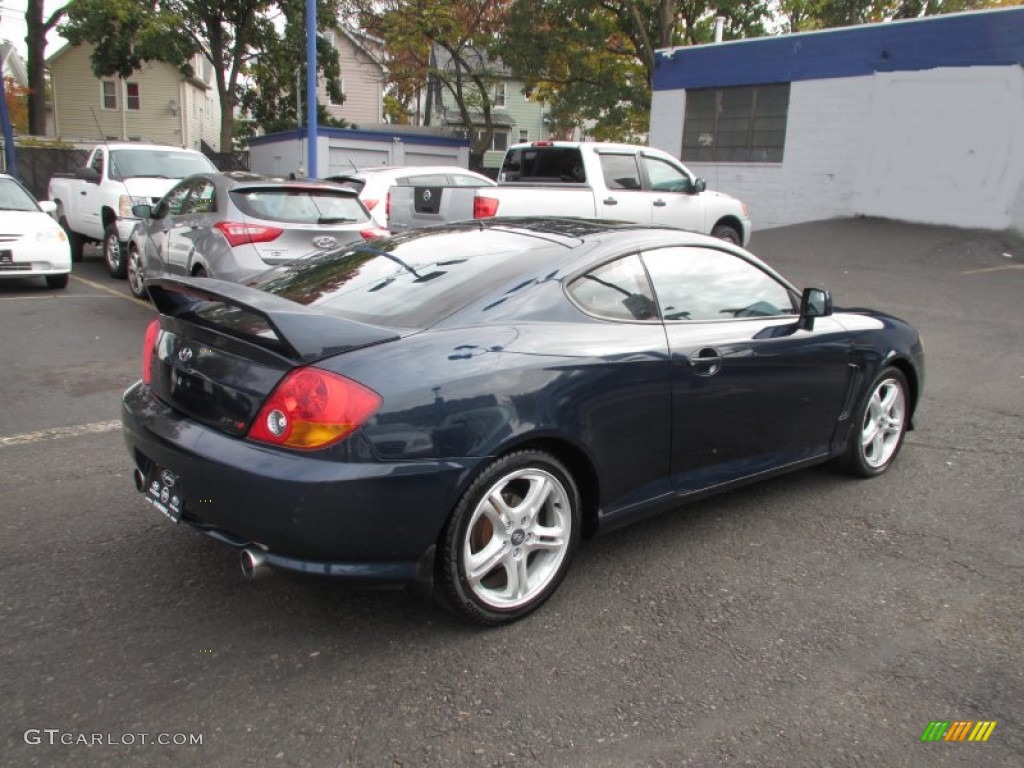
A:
243	179
374	170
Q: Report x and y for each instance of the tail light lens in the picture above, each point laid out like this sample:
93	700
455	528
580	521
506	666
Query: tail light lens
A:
312	408
149	349
373	233
485	207
387	206
370	204
240	233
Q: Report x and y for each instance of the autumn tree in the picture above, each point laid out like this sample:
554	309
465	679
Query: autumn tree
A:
447	45
594	60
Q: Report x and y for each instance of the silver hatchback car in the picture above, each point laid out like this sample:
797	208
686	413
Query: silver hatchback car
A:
235	225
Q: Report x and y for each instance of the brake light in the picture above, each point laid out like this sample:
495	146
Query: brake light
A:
373	233
485	207
311	408
149	349
543	144
387	206
240	233
370	204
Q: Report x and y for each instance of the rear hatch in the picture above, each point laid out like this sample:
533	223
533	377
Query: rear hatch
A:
223	347
287	222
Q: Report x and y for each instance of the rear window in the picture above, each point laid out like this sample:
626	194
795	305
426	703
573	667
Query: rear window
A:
561	164
296	205
412	280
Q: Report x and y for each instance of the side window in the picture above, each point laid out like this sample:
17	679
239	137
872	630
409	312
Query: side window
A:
424	180
664	177
618	290
201	199
706	284
620	171
97	163
174	200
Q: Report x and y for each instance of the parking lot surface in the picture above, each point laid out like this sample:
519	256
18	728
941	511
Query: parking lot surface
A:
813	620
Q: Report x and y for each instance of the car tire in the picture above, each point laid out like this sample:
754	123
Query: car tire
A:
135	272
727	233
200	271
57	281
879	426
114	251
510	538
75	241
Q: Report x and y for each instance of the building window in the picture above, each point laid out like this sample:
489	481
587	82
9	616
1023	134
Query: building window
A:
524	135
499	94
109	94
499	142
132	98
746	124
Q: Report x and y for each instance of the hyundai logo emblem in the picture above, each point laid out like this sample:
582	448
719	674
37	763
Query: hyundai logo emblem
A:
324	242
167	478
185	354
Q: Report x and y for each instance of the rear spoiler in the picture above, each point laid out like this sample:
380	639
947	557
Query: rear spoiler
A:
304	334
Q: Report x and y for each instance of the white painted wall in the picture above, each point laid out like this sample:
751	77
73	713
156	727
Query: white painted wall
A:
940	146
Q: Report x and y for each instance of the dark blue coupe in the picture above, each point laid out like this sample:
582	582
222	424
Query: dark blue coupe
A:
459	406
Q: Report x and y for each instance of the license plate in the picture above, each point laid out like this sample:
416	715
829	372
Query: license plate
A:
6	257
163	493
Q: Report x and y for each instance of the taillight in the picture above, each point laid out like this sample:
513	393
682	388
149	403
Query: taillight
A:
312	408
373	233
370	204
485	207
149	349
387	206
240	233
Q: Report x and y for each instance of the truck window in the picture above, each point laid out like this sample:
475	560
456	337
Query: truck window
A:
620	171
97	163
560	164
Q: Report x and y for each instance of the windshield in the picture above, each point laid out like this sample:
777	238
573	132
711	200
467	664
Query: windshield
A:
157	163
14	197
412	280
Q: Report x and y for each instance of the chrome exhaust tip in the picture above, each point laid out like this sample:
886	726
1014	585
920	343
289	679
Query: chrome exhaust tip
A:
254	563
140	480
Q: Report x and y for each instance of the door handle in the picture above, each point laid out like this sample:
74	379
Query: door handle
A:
660	203
610	201
707	361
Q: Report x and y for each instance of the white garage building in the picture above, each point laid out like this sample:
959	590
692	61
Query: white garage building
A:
921	120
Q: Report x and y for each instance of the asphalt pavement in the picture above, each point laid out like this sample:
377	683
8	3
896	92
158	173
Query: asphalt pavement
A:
812	620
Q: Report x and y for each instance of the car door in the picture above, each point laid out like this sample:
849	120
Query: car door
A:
674	202
625	198
186	224
159	230
90	197
752	388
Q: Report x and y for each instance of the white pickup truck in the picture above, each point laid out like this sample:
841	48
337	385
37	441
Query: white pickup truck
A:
94	204
622	182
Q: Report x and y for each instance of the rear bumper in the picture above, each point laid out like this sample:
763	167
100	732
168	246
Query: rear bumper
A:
350	517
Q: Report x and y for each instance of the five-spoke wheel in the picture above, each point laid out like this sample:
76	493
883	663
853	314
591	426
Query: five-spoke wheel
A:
881	424
511	537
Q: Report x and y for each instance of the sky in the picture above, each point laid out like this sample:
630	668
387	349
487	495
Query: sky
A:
12	24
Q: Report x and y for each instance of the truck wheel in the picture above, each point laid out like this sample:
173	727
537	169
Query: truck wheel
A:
727	233
113	251
74	240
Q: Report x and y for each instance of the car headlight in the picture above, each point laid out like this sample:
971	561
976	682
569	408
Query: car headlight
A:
125	203
49	235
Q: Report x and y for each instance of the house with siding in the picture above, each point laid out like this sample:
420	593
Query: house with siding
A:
919	120
155	104
361	60
514	116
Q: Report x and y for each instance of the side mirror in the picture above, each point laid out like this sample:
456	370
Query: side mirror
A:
86	173
699	186
815	302
48	206
142	211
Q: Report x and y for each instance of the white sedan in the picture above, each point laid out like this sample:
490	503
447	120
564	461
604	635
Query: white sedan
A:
32	243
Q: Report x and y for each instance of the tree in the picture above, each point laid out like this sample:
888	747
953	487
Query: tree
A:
17	104
35	42
280	69
437	45
594	60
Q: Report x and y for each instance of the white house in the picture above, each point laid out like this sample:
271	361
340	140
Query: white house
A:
918	120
